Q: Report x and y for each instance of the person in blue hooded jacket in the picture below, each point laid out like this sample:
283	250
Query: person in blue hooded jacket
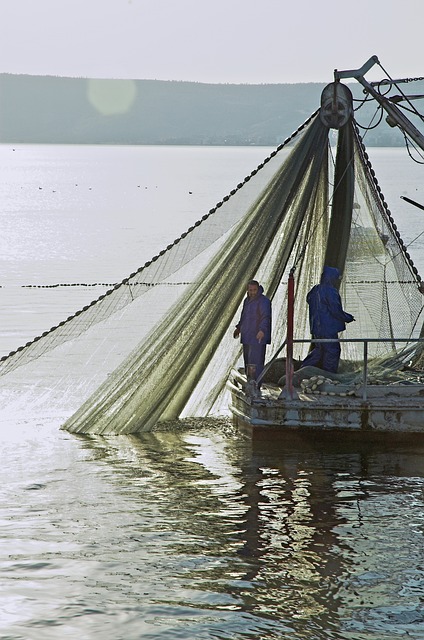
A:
326	319
254	327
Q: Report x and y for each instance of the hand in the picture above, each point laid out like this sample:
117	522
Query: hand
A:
260	336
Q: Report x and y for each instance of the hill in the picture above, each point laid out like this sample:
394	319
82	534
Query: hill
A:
47	109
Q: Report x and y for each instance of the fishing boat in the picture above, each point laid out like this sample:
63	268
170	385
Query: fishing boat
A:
321	402
159	345
373	394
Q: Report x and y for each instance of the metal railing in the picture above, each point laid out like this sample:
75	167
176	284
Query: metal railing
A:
365	342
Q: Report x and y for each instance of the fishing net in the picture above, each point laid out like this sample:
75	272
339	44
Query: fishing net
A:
381	286
159	345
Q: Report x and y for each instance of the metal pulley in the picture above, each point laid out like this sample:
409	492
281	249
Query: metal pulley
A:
336	105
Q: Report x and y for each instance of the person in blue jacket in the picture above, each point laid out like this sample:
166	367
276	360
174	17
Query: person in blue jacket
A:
326	319
254	327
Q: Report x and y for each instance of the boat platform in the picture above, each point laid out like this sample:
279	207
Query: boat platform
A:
386	409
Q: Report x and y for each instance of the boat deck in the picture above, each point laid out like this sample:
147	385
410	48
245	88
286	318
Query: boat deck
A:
387	408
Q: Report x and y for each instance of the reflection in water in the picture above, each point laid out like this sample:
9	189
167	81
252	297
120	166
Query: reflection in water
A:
198	531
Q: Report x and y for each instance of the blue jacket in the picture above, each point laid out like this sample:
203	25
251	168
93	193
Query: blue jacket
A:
255	316
326	315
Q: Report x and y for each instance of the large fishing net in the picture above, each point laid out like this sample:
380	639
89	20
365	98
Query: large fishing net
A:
159	345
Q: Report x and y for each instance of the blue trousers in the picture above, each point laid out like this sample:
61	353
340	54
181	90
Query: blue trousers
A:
254	354
325	355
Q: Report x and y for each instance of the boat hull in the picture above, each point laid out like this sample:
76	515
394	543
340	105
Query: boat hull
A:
385	410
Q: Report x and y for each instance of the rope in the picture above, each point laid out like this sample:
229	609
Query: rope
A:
379	196
408	145
94	284
392	82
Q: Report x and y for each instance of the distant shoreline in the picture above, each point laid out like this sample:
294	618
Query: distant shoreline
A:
58	110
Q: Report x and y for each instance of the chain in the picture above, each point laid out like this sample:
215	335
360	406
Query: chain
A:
397	81
411	79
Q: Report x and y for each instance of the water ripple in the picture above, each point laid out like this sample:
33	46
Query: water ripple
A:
198	532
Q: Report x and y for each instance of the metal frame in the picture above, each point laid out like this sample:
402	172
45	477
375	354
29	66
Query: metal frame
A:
365	342
397	117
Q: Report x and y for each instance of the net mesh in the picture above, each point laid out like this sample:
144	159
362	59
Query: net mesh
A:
159	345
381	286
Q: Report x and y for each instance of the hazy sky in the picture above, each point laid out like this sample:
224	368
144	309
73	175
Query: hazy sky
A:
218	41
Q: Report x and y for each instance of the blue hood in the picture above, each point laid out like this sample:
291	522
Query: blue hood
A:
326	315
260	291
330	276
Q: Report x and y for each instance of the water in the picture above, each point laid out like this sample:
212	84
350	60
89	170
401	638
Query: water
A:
196	531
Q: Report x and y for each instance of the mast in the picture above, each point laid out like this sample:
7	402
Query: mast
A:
342	201
336	113
331	109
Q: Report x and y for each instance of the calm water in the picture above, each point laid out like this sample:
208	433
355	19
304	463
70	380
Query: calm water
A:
196	531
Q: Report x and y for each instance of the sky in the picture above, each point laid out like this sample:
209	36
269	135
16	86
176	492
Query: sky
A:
211	41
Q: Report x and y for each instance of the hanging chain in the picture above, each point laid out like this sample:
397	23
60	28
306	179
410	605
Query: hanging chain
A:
390	81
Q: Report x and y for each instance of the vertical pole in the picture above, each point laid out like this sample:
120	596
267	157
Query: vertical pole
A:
290	314
365	372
